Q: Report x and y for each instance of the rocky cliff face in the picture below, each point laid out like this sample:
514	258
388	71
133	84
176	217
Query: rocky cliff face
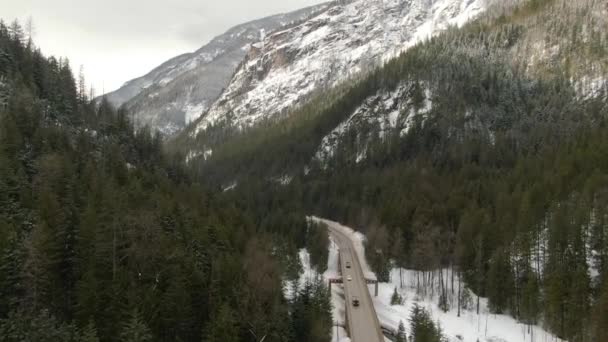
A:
340	42
181	89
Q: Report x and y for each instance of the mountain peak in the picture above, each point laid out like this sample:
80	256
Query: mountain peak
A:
263	68
181	89
348	38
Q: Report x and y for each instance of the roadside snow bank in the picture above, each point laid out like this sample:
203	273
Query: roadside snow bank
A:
338	305
358	240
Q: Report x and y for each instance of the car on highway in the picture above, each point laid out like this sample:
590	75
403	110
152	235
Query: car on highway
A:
349	278
355	301
348	264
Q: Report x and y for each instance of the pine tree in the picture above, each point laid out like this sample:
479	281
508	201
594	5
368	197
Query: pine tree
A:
422	327
87	296
16	32
135	330
600	321
30	30
302	313
396	298
401	337
82	88
39	270
500	282
311	319
323	312
43	327
89	333
417	96
223	327
11	273
530	298
317	243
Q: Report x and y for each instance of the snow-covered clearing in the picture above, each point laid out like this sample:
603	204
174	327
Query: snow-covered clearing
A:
469	327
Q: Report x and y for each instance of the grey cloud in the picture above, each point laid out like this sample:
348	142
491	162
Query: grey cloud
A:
127	28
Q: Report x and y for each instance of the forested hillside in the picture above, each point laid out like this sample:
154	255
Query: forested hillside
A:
482	150
493	163
105	238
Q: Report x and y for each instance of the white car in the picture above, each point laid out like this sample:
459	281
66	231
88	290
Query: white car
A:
349	278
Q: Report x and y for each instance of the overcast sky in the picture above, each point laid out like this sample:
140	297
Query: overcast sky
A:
118	40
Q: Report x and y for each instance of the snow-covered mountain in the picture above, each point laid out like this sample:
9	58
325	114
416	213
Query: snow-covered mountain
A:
538	46
339	42
181	89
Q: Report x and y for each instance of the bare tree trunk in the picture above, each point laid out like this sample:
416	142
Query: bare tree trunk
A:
441	278
538	254
424	280
452	270
447	285
459	291
432	282
113	252
517	290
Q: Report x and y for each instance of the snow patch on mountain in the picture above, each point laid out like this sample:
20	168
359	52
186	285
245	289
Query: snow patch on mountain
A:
193	154
284	180
231	186
193	111
591	87
344	40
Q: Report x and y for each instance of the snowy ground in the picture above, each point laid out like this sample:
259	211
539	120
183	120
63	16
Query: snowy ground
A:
469	327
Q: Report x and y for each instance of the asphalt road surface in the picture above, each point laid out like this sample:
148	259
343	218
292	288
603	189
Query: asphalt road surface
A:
362	320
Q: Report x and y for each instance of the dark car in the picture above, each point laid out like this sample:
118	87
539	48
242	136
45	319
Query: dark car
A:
355	301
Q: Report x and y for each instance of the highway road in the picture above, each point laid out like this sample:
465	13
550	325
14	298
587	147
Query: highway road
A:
362	320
